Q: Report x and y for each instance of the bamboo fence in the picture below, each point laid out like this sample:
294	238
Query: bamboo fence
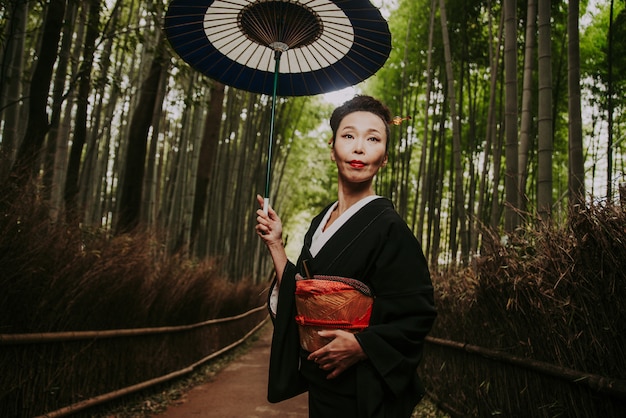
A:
58	374
535	326
468	380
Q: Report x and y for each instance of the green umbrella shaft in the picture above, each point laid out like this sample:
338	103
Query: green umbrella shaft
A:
268	176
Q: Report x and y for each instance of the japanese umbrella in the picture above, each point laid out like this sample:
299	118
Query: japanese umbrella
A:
280	47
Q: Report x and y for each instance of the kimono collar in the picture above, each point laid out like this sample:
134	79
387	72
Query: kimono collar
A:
321	236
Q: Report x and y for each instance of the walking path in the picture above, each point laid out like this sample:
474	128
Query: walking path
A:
239	390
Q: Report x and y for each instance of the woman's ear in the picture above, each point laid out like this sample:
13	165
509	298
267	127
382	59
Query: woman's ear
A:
385	160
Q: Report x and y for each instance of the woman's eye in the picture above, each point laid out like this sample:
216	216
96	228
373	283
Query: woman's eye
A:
373	138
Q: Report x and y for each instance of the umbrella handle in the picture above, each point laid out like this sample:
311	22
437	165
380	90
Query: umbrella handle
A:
266	205
277	53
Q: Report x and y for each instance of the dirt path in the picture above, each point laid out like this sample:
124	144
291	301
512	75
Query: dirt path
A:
239	390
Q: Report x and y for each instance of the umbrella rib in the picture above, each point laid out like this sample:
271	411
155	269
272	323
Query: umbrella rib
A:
331	47
301	31
259	27
212	53
377	52
219	32
314	74
347	36
183	25
235	45
317	48
256	47
237	5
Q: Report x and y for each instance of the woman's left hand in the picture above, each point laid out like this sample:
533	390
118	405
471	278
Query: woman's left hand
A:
338	355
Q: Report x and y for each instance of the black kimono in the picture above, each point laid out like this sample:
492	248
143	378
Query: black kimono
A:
376	247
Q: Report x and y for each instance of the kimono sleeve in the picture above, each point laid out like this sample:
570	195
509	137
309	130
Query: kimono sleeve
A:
285	380
403	312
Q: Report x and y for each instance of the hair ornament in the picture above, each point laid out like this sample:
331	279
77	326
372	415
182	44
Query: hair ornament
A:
397	120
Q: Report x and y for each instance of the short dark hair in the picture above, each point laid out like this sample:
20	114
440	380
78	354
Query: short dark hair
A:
361	103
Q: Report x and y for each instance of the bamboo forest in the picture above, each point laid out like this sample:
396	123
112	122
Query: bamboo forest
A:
118	131
129	180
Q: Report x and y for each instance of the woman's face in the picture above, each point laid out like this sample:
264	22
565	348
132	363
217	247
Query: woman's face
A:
360	148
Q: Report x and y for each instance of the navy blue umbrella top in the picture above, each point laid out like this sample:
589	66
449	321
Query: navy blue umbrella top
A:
323	45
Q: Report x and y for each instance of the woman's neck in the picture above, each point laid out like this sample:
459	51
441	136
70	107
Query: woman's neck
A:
344	202
348	197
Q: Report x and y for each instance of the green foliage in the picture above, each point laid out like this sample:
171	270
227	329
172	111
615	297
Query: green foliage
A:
409	28
418	179
594	57
310	177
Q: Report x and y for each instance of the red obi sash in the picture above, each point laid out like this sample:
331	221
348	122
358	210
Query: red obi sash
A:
328	303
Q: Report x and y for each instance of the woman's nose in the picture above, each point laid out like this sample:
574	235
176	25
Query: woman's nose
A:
358	146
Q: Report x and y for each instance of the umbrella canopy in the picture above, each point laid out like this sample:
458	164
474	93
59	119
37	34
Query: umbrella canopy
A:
325	45
280	47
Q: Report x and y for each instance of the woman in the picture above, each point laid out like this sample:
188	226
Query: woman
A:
370	373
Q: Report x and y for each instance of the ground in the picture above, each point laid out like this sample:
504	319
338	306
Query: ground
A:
235	386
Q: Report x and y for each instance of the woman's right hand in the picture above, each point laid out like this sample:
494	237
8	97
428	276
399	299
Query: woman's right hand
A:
269	226
270	229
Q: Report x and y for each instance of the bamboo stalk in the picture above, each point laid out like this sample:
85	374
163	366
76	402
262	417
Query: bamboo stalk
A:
45	337
613	387
97	400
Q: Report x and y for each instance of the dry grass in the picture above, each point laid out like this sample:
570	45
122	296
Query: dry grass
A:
59	279
556	295
54	279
